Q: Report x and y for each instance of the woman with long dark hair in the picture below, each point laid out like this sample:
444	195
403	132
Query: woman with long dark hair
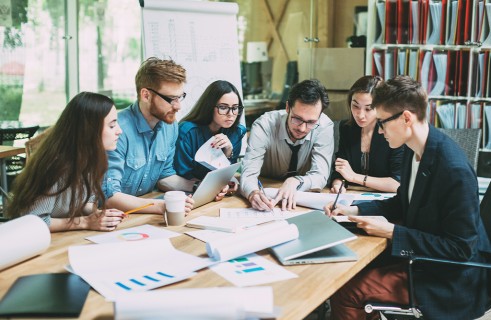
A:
364	157
61	182
216	114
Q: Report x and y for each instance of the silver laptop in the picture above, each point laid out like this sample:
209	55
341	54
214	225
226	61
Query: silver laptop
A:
320	240
213	182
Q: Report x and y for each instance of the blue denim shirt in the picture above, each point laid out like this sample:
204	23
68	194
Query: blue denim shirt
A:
138	163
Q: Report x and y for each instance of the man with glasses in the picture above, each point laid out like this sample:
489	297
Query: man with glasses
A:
295	144
144	155
436	211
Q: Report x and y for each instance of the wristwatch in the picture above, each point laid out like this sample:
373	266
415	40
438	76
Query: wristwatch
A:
300	179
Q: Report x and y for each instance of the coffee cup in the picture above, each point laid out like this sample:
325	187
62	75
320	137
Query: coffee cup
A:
175	204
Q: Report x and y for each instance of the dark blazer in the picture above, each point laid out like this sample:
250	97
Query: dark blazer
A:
443	221
383	161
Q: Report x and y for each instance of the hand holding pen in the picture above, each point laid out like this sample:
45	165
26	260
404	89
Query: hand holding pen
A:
337	196
259	200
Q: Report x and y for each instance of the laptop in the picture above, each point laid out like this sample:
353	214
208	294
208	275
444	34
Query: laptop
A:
320	240
213	182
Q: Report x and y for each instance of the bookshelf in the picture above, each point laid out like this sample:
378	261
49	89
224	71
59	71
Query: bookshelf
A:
446	46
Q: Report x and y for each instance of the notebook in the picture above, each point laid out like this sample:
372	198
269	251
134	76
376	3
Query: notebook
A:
213	182
45	295
320	240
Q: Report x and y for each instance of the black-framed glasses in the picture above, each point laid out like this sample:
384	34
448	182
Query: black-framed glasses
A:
381	122
224	109
298	122
169	100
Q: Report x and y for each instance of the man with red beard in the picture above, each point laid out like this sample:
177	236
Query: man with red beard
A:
295	144
144	155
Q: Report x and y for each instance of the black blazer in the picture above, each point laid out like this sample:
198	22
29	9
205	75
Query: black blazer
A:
442	221
383	161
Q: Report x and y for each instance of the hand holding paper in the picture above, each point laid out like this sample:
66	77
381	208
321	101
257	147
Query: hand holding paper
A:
210	157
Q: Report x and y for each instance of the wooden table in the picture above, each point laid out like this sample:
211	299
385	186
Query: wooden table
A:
296	297
6	152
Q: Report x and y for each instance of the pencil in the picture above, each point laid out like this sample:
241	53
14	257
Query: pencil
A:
139	208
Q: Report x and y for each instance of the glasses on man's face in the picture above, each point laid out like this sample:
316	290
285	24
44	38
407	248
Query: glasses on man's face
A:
312	124
224	109
169	100
382	122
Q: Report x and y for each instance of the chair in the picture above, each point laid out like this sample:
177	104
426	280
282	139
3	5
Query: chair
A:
33	143
411	311
468	140
7	136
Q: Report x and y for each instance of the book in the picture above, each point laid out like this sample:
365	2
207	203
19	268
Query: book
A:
45	295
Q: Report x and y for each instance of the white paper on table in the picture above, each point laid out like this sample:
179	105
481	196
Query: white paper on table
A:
226	224
144	232
251	240
368	196
342	219
197	303
315	200
122	267
250	213
210	157
22	238
208	235
252	270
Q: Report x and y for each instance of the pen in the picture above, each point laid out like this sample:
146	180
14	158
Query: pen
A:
337	196
139	208
260	185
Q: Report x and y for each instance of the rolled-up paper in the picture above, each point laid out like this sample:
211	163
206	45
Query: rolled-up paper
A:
255	239
26	237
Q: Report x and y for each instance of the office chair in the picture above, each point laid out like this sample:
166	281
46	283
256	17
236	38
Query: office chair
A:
411	311
468	140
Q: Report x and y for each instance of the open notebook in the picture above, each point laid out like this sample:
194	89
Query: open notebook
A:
320	240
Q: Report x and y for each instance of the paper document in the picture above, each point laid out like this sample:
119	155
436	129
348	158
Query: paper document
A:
225	224
249	213
121	267
197	303
210	157
144	232
251	240
343	219
368	196
252	270
315	200
208	235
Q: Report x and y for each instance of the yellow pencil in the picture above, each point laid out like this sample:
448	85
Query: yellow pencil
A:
138	209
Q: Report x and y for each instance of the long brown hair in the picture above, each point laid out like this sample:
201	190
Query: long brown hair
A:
202	112
72	155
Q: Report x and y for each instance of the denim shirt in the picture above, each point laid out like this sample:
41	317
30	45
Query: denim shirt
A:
138	163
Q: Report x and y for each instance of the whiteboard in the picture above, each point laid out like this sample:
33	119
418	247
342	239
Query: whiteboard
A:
199	35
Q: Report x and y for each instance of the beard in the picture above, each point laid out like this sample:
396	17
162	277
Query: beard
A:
168	117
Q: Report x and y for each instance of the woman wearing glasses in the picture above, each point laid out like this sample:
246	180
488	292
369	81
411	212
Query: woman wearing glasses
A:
216	114
364	157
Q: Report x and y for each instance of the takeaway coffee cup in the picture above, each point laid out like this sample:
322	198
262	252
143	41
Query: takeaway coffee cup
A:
175	202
